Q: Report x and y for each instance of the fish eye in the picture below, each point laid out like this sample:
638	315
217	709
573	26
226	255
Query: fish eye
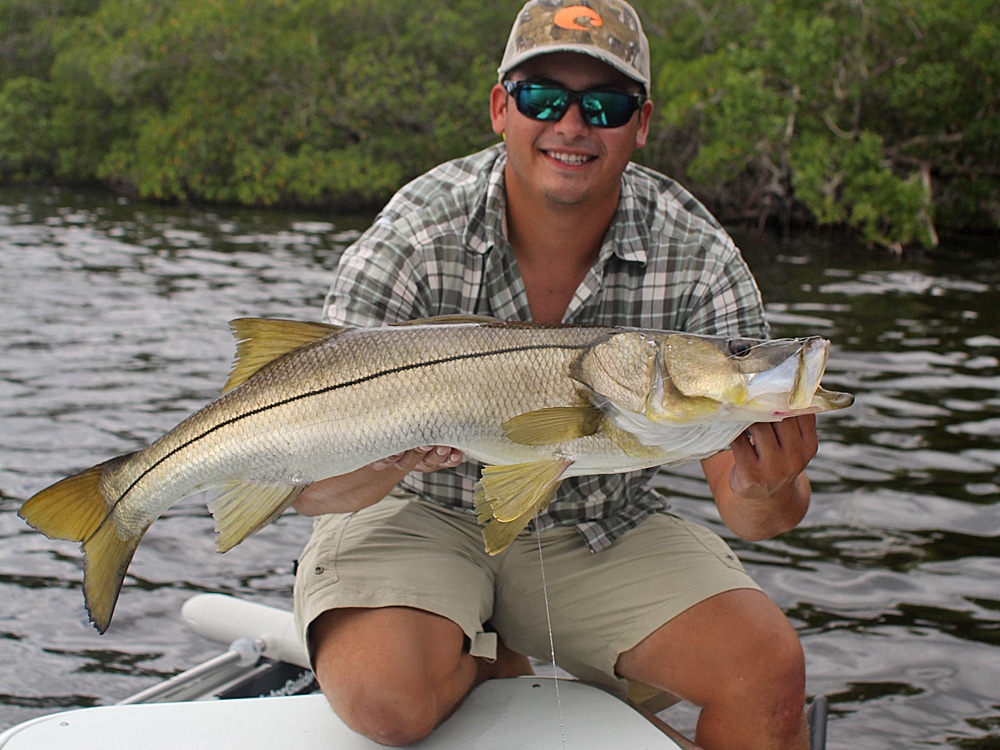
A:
740	347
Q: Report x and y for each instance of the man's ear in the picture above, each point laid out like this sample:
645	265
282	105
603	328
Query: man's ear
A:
498	109
645	115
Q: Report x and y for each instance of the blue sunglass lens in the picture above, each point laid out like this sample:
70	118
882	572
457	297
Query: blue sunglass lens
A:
604	109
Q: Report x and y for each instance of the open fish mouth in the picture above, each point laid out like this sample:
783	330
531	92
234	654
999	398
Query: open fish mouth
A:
770	390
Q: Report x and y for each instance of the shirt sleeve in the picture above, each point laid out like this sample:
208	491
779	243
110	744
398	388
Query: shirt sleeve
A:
725	300
377	281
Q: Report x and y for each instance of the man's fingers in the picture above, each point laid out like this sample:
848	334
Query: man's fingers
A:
425	458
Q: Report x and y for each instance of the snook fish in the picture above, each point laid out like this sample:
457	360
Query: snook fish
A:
535	404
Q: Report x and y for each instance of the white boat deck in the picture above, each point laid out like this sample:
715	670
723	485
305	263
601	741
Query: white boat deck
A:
499	715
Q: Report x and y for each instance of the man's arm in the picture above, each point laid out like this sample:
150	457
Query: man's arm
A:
369	484
760	485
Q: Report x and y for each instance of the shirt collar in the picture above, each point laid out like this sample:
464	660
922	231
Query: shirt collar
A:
628	237
486	223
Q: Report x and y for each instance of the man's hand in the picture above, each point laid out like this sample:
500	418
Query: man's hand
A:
366	486
771	454
425	458
760	486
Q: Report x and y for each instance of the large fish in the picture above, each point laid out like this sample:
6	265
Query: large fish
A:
535	404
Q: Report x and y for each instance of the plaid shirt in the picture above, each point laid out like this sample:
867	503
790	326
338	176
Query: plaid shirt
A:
439	247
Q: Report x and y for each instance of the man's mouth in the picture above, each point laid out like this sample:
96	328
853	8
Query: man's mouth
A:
573	160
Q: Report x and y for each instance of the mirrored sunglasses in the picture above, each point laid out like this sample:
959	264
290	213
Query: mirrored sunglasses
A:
548	103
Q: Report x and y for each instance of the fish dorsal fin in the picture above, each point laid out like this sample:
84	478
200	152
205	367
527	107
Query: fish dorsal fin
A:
456	319
243	508
507	497
260	341
555	424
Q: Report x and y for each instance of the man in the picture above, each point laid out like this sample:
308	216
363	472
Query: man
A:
402	610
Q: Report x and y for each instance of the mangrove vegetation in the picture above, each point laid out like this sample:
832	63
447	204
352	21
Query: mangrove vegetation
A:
877	115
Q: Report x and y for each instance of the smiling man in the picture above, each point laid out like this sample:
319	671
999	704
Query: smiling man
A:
402	610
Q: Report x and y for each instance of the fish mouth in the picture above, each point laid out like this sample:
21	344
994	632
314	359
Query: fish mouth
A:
794	381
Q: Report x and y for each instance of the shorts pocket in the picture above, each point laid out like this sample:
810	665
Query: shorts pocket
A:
318	564
716	545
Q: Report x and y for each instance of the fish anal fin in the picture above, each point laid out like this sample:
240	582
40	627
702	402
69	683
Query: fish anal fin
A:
107	556
260	341
556	424
243	508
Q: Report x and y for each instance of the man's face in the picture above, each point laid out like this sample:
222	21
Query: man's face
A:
568	162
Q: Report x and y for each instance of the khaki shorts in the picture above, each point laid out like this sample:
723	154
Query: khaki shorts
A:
406	552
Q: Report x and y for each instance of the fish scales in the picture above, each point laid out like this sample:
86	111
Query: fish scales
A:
342	405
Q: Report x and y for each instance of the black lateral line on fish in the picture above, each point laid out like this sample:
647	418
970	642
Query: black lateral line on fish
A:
327	389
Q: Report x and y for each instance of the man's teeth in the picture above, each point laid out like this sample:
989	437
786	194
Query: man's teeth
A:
569	158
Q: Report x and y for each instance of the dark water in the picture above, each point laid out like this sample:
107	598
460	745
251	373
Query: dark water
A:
113	327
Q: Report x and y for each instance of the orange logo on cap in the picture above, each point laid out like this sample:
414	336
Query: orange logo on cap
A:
577	17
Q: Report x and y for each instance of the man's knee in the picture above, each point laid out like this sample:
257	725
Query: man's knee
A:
774	678
390	674
389	716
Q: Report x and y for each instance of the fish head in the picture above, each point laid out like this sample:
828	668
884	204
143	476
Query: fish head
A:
710	378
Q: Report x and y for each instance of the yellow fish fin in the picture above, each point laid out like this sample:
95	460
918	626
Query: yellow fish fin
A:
512	495
260	341
555	424
498	535
74	509
244	508
456	319
70	509
106	557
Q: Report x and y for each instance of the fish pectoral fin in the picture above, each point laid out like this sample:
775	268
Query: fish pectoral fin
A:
243	508
555	424
507	497
260	341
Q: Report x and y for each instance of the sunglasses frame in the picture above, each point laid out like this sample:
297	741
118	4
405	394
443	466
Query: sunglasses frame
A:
514	89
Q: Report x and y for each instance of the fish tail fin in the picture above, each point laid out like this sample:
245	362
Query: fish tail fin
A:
74	509
106	557
71	509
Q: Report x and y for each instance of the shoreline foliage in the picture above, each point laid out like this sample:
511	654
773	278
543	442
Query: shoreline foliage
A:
882	117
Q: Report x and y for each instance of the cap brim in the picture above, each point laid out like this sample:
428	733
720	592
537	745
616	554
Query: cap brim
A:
582	49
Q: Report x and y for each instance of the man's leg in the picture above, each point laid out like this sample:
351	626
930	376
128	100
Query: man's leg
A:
725	646
737	656
394	673
390	600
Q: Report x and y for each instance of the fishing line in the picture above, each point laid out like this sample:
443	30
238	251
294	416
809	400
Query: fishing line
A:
552	643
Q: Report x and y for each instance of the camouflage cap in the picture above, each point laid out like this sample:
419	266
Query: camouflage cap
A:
606	29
